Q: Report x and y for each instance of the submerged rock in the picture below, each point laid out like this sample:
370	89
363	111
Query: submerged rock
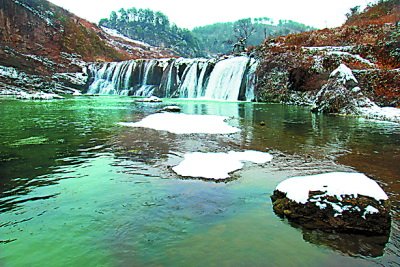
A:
340	202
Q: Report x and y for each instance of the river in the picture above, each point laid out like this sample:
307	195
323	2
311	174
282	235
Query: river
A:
77	189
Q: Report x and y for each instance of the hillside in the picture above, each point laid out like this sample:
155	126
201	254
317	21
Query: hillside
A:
155	29
297	65
219	38
39	38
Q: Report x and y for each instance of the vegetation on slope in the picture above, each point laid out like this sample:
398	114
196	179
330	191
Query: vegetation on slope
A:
220	37
153	28
39	37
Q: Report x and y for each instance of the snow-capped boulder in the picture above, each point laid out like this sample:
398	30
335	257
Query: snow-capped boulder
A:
340	94
342	202
344	75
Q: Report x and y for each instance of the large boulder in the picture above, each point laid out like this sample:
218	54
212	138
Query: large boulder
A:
340	202
341	94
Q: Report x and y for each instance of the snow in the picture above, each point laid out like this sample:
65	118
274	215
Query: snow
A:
38	96
343	74
370	210
44	60
77	78
185	124
9	72
333	184
217	166
117	34
36	12
340	51
150	99
377	113
354	56
330	48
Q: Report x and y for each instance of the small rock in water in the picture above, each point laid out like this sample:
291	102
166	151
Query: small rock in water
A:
262	123
171	109
151	99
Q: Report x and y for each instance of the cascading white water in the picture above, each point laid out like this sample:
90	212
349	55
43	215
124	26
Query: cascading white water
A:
251	79
146	89
191	86
227	79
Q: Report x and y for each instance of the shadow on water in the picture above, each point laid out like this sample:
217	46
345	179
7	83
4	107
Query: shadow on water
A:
354	245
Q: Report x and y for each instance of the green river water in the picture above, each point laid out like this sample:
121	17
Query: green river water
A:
76	189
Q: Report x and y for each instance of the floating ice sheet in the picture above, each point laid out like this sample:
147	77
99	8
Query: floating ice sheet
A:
217	166
185	124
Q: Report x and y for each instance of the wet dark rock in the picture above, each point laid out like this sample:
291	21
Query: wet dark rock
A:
355	217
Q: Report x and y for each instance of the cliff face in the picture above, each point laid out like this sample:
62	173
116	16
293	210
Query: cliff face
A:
296	66
41	38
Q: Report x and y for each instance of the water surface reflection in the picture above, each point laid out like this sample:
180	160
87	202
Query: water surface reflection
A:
85	191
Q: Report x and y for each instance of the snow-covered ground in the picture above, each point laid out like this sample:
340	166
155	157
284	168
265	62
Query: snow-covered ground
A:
117	34
382	114
352	56
185	124
217	166
341	52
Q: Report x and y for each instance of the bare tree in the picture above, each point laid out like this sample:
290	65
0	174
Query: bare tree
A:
243	29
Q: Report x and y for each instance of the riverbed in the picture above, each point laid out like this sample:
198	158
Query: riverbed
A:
77	188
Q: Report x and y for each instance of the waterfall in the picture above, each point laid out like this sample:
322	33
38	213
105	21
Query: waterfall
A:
231	78
226	79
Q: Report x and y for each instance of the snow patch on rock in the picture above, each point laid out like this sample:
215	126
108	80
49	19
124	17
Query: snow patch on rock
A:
217	166
343	74
333	184
185	124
